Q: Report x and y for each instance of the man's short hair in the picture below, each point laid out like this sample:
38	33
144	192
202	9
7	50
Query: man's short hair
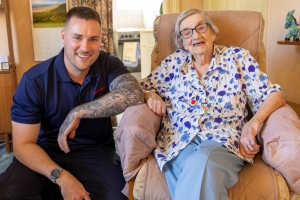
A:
82	12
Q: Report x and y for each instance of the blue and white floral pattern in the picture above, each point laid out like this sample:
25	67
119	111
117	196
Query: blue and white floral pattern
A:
213	106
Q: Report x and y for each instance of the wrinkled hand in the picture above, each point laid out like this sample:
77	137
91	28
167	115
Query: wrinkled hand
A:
71	188
155	103
248	146
68	128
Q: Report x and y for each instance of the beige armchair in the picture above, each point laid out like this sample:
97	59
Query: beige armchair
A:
275	170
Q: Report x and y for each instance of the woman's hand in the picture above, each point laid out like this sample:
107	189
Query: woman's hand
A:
155	103
248	145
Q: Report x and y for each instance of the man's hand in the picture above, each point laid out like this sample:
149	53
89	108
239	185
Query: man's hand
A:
71	188
155	103
68	128
248	146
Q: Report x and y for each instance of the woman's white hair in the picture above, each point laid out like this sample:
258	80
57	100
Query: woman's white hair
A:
187	13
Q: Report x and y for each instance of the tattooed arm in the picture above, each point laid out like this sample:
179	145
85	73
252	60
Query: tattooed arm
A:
125	92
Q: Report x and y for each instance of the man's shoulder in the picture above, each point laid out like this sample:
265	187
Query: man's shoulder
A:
39	69
110	62
106	56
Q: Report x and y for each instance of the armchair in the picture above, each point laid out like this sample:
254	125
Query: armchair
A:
276	168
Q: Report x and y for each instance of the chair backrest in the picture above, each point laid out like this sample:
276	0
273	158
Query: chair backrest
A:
237	28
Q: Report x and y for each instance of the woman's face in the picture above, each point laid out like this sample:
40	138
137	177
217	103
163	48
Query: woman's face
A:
198	43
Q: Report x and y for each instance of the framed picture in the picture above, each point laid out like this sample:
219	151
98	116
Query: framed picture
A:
5	66
4	62
47	20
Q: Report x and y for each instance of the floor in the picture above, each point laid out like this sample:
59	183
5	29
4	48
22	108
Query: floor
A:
5	158
2	147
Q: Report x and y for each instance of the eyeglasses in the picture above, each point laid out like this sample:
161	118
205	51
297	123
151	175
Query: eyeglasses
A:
188	32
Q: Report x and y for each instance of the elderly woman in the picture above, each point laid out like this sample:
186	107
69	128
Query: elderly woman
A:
202	90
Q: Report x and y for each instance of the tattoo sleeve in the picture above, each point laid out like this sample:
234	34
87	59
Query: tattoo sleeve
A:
125	91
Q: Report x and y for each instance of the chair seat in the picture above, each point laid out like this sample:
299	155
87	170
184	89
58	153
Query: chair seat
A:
258	181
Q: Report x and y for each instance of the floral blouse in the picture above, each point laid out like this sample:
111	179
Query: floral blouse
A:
213	106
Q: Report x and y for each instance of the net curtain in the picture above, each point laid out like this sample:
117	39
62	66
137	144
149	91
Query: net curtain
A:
104	8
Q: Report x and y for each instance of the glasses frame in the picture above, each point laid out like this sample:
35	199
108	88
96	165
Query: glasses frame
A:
192	29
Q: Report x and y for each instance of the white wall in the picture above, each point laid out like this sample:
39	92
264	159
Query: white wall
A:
253	5
283	61
138	17
3	36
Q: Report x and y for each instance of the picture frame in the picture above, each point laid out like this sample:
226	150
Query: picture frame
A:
5	66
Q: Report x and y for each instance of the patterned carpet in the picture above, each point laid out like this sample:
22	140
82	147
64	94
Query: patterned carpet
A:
5	158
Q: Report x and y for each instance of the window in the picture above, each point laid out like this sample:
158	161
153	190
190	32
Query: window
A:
138	4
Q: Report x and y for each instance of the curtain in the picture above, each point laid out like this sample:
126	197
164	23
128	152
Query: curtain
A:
104	8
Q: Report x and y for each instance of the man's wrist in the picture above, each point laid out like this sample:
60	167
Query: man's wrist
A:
55	174
61	177
78	115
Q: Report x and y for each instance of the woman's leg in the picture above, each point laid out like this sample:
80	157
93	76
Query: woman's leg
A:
206	173
172	168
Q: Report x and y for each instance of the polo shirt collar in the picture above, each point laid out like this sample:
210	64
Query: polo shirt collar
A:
61	71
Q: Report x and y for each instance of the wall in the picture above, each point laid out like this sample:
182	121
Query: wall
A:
175	6
283	64
21	34
185	4
3	38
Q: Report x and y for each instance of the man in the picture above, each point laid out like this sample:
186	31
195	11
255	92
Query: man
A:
88	168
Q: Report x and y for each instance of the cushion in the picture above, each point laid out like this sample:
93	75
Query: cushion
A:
280	137
135	136
150	183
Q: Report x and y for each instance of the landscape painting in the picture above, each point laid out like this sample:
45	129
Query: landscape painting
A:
48	13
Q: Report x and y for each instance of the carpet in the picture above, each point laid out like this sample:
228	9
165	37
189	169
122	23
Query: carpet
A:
5	158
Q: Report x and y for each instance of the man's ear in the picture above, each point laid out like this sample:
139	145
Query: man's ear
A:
63	33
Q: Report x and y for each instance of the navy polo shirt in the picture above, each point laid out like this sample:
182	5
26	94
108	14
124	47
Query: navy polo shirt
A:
46	94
